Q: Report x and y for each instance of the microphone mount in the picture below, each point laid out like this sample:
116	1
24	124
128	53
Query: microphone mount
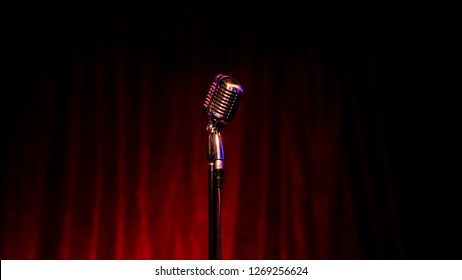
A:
215	151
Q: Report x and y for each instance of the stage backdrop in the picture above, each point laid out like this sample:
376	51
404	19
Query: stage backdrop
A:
104	153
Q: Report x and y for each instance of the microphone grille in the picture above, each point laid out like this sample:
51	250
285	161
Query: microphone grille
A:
223	98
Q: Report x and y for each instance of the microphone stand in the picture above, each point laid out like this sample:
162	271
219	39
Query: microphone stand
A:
215	157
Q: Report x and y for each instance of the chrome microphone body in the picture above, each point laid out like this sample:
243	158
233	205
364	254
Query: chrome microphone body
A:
223	98
220	106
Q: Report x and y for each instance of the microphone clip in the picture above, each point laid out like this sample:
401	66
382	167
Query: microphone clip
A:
215	151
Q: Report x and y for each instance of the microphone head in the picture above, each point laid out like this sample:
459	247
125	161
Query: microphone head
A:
223	98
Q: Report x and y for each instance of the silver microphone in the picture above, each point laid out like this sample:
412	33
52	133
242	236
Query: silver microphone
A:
223	98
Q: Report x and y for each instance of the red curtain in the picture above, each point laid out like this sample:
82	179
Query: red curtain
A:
105	151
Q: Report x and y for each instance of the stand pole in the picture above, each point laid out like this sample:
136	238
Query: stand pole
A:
214	217
215	157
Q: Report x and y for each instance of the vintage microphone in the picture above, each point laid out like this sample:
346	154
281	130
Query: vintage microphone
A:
220	106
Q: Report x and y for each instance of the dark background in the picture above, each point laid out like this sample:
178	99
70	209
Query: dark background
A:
341	147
